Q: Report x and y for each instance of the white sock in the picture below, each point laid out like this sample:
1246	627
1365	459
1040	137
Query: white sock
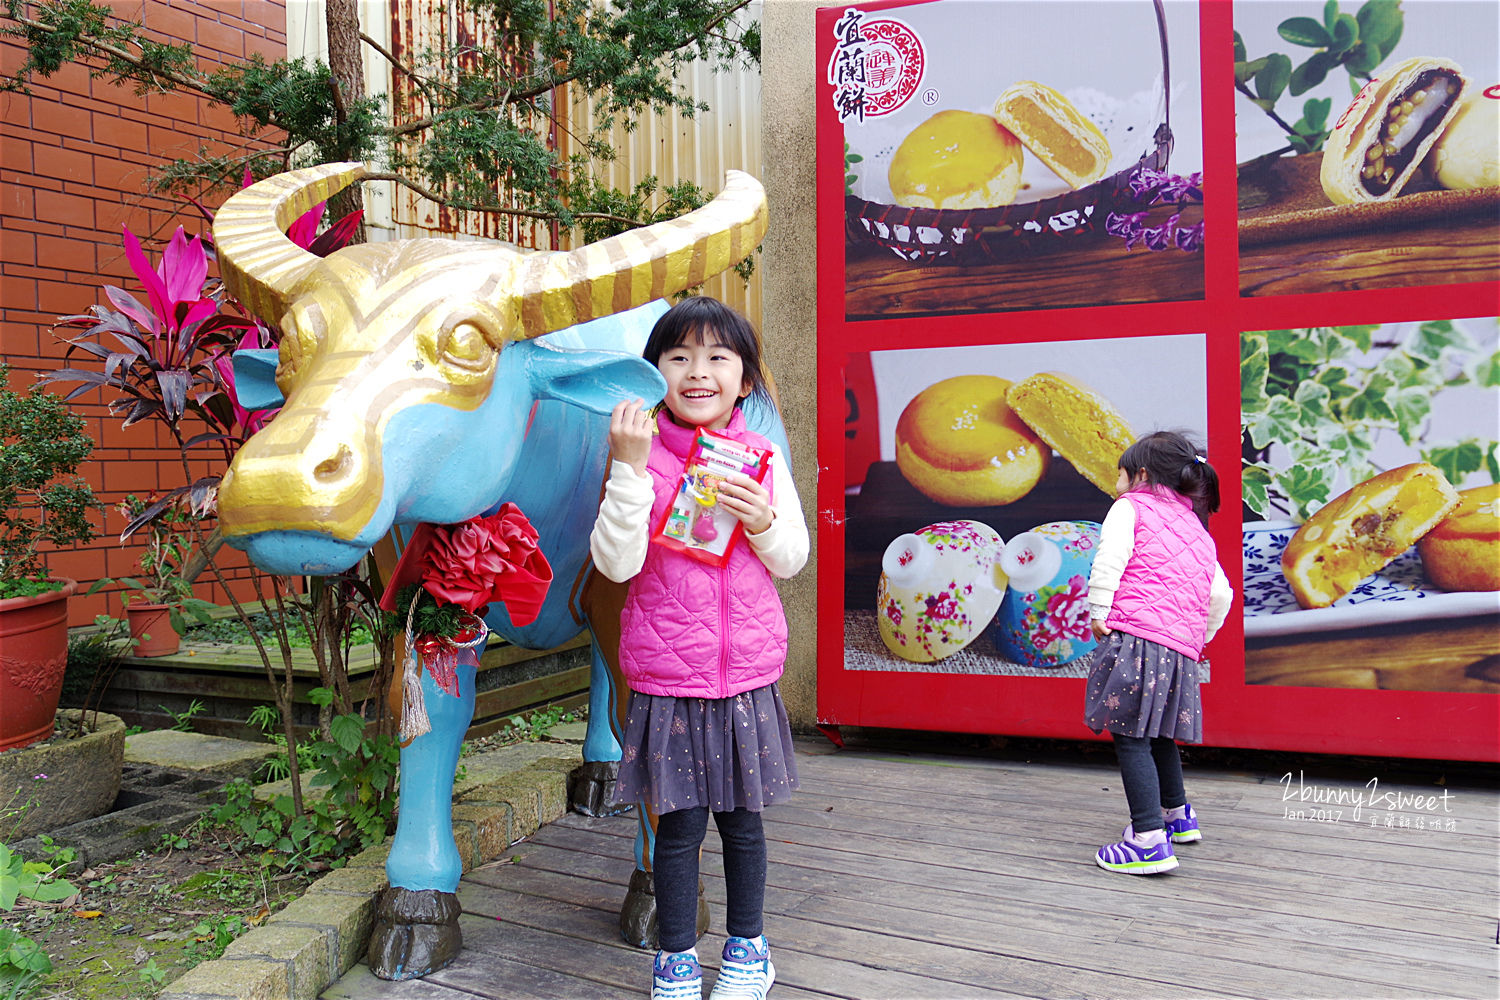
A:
1146	839
1176	813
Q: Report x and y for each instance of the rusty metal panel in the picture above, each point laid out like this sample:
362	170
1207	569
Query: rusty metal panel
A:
672	147
699	149
417	27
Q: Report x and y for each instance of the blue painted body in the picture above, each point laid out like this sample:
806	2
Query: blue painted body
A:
443	466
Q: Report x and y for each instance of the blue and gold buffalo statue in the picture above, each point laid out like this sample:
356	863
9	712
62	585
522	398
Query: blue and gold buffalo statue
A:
431	380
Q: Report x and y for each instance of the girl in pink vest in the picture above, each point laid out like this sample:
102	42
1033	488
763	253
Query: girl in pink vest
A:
1156	596
702	646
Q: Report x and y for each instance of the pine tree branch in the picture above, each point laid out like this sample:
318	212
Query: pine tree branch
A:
197	83
525	213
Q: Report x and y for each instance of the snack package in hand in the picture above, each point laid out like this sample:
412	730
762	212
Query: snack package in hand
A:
695	524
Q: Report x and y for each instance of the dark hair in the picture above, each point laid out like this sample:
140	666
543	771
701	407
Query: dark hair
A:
1171	461
692	318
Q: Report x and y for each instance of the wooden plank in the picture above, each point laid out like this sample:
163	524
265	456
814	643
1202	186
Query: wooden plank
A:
886	943
360	984
804	966
1076	885
1401	961
1412	864
500	653
1035	918
1473	809
536	691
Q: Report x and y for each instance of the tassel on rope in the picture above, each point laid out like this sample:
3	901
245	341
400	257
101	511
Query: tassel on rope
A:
414	720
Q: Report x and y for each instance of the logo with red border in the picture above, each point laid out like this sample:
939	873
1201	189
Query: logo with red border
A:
877	66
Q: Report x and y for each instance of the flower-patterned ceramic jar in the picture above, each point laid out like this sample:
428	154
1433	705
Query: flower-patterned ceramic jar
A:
1044	621
939	588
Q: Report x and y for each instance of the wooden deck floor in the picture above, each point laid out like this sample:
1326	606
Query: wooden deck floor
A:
923	875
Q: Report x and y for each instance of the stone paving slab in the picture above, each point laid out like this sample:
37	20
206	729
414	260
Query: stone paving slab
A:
218	756
505	795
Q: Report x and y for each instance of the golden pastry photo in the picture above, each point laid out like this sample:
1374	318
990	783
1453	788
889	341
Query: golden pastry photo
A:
1463	551
1466	155
1056	132
1383	136
956	159
958	442
1083	426
1362	530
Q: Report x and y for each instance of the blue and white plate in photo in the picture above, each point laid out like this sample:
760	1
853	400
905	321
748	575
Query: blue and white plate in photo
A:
1398	593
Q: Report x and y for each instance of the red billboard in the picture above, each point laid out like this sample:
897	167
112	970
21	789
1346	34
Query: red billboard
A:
1046	229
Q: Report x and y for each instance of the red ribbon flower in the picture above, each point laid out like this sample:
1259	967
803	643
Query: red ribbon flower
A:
475	563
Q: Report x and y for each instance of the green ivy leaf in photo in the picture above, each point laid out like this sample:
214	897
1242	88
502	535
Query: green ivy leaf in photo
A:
1253	369
1331	393
1308	487
1254	480
1456	460
1279	422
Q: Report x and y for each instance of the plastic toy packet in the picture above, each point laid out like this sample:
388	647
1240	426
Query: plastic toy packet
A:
695	524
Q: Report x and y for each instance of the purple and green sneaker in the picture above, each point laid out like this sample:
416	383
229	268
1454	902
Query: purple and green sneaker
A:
1132	857
1185	830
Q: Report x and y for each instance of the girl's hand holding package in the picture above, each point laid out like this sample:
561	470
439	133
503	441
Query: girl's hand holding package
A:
748	501
630	426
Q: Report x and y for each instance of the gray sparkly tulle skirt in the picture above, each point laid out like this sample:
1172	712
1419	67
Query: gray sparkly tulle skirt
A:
725	753
1137	687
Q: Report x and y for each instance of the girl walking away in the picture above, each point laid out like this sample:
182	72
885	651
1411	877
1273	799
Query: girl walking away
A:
702	646
1156	596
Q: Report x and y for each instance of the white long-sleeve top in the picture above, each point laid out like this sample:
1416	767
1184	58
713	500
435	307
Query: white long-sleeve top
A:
1116	545
623	528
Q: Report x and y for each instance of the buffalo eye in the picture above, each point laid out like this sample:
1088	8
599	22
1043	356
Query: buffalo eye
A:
464	346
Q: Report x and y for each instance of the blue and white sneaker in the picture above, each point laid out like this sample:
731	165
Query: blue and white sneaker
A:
1146	854
1184	830
677	976
746	972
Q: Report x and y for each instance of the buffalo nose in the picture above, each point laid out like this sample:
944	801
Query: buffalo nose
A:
336	467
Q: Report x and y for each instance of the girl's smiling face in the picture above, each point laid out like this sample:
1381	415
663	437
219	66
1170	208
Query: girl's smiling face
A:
704	382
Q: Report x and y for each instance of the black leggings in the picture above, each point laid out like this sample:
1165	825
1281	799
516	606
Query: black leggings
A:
1151	770
679	836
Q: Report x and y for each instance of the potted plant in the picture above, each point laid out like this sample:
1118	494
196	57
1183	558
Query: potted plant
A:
42	501
163	592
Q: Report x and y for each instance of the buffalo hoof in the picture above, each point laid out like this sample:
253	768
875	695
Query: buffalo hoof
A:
416	933
638	915
591	785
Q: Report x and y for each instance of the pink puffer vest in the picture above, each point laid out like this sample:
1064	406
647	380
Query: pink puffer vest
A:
1163	593
692	630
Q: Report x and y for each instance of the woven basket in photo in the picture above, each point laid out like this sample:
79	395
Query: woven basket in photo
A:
986	235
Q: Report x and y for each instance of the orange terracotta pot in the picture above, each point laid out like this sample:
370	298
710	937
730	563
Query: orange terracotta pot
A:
33	656
151	629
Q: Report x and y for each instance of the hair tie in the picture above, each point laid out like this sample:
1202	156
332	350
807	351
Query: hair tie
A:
1198	458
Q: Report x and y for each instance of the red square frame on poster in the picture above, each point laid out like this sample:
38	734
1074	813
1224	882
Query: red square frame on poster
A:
1215	313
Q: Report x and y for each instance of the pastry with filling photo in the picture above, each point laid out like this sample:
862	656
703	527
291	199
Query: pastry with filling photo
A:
1075	420
1055	131
1363	529
1383	136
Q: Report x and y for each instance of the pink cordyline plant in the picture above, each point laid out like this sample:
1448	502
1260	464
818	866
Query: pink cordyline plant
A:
171	355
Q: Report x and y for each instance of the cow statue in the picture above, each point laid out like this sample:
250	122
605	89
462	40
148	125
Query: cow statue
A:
431	380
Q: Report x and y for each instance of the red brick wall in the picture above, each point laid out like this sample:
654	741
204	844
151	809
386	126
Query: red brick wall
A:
74	158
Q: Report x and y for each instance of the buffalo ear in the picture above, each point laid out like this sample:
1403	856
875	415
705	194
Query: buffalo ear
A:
255	379
594	380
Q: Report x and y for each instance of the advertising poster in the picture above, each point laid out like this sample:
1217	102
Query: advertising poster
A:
1046	230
